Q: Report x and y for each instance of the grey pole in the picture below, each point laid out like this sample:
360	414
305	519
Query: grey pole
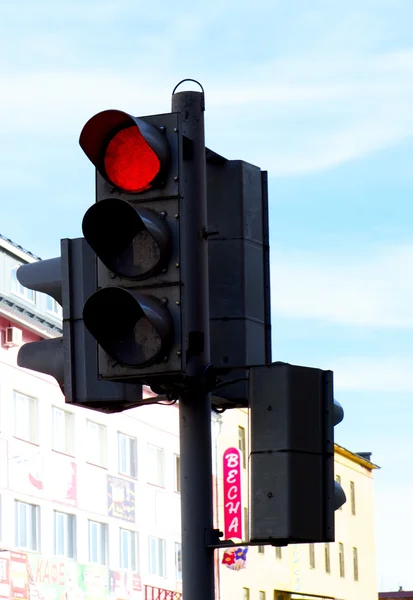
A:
195	403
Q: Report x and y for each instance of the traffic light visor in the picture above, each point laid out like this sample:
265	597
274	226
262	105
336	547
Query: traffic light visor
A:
134	329
132	241
129	153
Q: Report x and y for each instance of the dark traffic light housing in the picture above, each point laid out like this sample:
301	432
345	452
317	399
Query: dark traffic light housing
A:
140	236
293	491
239	274
135	228
71	359
134	231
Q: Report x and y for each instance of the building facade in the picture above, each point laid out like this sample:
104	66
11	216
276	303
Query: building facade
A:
90	503
344	570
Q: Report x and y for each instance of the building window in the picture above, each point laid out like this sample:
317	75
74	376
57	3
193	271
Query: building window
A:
245	593
327	558
355	564
64	534
96	447
352	498
97	542
62	430
177	473
261	595
53	307
25	418
242	446
261	549
128	549
27	525
155	463
338	479
127	452
157	556
246	524
312	555
278	552
18	289
341	559
178	561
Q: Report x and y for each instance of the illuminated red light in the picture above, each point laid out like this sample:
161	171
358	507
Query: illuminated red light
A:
130	163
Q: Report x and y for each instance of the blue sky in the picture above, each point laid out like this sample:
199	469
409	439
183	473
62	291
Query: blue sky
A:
318	93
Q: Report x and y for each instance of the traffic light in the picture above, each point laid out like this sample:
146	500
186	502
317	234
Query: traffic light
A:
45	356
70	358
239	274
134	230
293	491
339	497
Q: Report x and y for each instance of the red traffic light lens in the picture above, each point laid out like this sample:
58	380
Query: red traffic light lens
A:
129	161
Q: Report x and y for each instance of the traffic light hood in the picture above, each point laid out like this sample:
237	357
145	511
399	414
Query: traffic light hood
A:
129	153
134	329
115	229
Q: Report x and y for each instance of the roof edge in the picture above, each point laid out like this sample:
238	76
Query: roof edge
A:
44	329
17	250
355	457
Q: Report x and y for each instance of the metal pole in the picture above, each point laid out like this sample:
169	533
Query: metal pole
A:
195	402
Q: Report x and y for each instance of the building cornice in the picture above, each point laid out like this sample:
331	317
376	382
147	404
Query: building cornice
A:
27	319
354	457
17	250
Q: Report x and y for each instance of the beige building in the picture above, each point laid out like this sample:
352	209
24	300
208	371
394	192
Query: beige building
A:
344	570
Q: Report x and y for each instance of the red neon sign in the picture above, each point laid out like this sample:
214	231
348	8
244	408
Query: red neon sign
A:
232	494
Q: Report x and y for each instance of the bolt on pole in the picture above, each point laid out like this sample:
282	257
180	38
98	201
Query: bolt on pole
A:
195	402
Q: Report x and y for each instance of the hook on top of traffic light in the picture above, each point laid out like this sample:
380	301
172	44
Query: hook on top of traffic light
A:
194	81
129	153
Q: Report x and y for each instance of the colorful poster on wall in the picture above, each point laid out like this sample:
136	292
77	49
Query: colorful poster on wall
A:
4	577
124	585
51	476
93	581
232	494
235	558
35	577
121	498
52	579
18	575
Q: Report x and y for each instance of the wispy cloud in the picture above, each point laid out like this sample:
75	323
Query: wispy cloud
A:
389	374
287	87
316	98
291	125
374	291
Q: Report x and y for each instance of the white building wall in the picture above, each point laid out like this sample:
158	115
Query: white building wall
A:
157	509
